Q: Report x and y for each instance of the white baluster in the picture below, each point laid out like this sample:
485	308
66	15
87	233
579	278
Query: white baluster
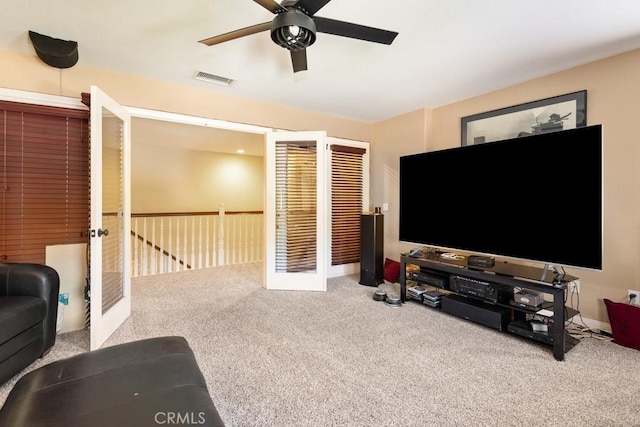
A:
199	242
214	239
134	263
245	237
154	252
170	247
182	258
206	241
162	246
230	239
145	253
221	236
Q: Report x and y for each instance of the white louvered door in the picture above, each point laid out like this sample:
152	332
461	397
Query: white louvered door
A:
296	220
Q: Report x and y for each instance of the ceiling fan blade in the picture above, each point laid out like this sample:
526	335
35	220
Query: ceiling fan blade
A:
311	6
236	34
354	31
271	6
299	60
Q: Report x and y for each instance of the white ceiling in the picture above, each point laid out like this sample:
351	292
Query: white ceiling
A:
446	50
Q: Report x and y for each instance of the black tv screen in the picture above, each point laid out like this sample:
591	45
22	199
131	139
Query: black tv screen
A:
537	198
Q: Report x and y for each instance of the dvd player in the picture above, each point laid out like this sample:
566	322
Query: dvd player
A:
429	277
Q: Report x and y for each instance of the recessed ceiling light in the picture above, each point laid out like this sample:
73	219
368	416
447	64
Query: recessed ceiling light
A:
240	151
212	78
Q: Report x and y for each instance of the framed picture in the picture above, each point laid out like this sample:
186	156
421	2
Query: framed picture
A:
553	114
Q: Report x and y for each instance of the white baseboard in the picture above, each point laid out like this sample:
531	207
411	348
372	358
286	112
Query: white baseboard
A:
343	270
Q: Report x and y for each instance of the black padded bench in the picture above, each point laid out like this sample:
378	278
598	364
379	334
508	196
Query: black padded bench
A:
142	383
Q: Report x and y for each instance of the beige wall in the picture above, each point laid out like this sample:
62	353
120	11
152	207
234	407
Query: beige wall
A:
27	72
180	180
406	134
613	88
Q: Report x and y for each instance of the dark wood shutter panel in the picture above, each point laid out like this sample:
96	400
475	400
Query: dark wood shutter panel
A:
296	184
44	171
346	203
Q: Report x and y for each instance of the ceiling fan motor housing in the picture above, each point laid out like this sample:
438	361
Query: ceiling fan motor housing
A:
293	30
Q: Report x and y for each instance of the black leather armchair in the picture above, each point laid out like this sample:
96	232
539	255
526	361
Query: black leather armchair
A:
28	314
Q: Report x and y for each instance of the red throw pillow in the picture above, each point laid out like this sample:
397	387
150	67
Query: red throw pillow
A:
391	270
625	323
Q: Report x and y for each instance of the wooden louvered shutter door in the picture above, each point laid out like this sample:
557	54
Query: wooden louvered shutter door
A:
44	177
346	203
296	183
296	212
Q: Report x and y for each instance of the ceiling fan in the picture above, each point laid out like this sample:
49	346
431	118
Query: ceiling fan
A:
295	26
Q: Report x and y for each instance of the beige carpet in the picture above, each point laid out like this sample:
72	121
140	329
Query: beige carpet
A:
278	358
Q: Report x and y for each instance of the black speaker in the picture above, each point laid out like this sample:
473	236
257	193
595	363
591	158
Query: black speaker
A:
55	52
371	249
476	311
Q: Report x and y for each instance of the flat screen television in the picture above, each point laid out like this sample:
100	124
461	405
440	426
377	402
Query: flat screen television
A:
535	198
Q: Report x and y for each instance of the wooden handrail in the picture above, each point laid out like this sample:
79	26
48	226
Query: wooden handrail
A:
159	214
158	248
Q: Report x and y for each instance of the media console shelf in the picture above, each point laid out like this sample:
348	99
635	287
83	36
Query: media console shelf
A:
502	277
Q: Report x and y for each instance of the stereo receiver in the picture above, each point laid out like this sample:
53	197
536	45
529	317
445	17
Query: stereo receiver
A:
479	288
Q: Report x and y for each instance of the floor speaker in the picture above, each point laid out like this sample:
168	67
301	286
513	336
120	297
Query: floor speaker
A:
371	249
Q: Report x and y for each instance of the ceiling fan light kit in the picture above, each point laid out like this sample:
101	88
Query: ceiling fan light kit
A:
293	31
295	26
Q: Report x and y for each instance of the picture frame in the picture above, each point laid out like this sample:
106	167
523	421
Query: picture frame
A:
552	114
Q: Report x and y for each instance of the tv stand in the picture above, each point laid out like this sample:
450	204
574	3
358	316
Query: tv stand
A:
504	276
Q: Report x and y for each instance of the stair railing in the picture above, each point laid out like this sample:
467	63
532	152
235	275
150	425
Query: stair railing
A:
176	241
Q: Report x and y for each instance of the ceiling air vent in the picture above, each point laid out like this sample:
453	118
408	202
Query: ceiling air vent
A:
212	78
